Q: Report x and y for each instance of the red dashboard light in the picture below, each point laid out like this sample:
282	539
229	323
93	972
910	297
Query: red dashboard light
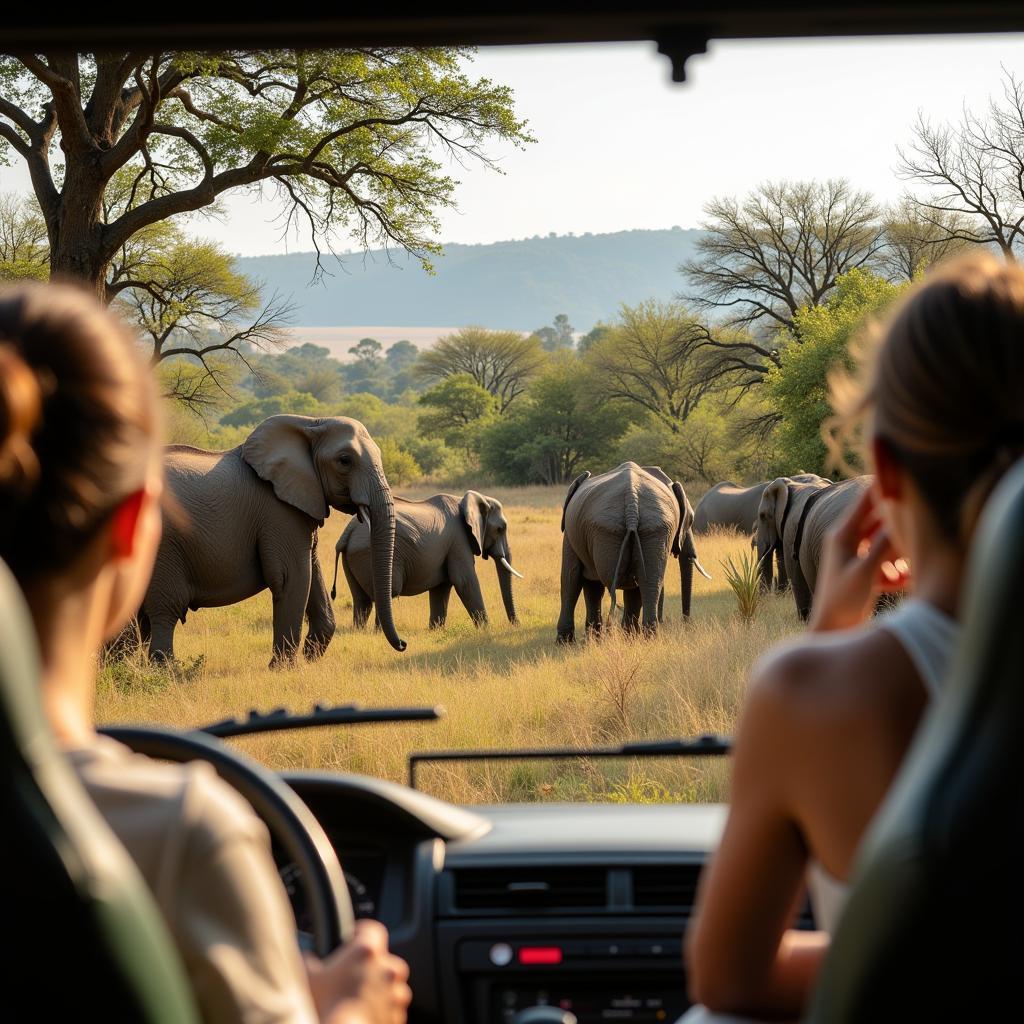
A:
533	955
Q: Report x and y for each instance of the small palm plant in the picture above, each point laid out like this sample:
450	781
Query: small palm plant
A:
744	579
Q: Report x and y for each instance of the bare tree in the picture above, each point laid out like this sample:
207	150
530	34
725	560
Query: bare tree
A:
653	358
913	242
761	259
975	170
501	362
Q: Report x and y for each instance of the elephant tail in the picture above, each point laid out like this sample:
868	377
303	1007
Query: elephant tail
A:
334	585
630	544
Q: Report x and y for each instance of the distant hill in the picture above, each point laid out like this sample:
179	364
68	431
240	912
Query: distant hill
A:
518	285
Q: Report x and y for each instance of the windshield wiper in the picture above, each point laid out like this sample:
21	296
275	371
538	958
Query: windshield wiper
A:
281	719
701	746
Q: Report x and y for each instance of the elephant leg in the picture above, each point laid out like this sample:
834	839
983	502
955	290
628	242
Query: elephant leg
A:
290	600
319	612
649	595
632	605
161	636
593	595
467	586
439	597
362	602
571	587
801	591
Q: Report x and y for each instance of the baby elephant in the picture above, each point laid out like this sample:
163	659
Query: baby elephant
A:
436	541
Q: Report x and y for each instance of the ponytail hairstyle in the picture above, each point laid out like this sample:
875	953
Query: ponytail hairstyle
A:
942	387
79	422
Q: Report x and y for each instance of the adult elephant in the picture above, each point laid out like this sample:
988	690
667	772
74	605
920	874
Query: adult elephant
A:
619	529
729	506
436	542
793	518
252	517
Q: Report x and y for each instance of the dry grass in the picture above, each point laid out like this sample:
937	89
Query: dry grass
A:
502	686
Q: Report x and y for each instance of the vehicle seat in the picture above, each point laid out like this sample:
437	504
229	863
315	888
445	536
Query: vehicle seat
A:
86	941
934	924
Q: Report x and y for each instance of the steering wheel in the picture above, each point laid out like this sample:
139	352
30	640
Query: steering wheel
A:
291	823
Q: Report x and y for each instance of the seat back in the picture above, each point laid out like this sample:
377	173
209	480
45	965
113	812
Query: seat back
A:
933	928
86	940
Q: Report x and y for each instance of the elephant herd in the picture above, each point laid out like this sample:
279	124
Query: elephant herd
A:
788	518
247	520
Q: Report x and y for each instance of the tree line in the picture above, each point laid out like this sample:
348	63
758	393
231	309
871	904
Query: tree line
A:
727	379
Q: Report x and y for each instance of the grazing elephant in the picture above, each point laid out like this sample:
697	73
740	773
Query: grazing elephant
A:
253	514
793	519
436	541
619	529
727	505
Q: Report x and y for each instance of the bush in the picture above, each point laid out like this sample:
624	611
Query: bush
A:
399	466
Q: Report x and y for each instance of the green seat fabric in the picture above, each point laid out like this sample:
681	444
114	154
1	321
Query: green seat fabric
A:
934	924
86	941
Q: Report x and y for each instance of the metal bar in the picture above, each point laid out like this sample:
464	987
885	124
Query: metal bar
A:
702	746
281	719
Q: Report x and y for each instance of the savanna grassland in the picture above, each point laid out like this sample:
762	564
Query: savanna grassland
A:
501	686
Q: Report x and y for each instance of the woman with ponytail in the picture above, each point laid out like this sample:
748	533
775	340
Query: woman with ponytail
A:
80	521
937	412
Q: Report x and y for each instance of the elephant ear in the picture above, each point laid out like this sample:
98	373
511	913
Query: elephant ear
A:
685	520
279	451
573	487
659	474
777	496
475	508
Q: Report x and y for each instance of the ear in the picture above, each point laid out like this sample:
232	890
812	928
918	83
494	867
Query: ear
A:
685	519
659	474
888	477
474	508
573	487
123	524
279	451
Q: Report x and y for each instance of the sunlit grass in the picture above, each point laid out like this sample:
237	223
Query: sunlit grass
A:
501	686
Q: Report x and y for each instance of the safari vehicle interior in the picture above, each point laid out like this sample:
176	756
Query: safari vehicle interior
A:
511	913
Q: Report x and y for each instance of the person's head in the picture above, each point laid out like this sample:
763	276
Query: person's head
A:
80	469
941	396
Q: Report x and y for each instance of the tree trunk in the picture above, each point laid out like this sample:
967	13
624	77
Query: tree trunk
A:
76	230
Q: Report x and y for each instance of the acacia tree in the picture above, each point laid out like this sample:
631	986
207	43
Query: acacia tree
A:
347	138
762	259
500	362
653	358
975	170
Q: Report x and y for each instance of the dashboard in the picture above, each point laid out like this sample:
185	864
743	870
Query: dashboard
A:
497	909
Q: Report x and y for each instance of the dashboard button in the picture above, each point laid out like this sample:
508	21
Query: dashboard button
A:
500	954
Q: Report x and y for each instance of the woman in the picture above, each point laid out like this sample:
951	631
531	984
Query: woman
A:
80	493
829	717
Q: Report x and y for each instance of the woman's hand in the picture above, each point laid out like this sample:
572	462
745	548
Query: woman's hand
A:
858	563
361	983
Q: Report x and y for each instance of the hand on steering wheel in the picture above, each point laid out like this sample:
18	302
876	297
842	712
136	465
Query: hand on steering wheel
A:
291	823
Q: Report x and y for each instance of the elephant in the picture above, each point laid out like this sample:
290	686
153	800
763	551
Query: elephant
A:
252	518
619	529
436	541
792	519
729	505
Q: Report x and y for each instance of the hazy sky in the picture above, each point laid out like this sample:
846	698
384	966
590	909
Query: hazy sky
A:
620	146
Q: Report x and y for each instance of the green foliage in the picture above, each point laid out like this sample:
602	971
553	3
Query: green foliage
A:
744	581
399	465
798	387
459	411
554	430
24	248
251	413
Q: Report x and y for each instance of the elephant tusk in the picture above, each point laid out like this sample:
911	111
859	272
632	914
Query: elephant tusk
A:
701	569
504	562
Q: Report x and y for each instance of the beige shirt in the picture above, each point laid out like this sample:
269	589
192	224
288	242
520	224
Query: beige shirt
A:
206	857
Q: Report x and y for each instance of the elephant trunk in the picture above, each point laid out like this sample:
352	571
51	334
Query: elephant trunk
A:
765	558
686	583
505	583
382	549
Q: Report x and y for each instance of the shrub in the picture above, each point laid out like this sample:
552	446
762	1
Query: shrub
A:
745	582
399	466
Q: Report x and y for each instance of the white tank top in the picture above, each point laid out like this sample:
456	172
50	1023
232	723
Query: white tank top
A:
928	635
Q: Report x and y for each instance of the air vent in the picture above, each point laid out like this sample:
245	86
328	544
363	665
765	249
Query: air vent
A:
525	889
669	887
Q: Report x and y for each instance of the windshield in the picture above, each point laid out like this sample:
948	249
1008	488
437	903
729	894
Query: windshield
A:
512	267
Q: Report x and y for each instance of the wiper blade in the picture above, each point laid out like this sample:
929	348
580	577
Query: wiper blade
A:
701	746
281	719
